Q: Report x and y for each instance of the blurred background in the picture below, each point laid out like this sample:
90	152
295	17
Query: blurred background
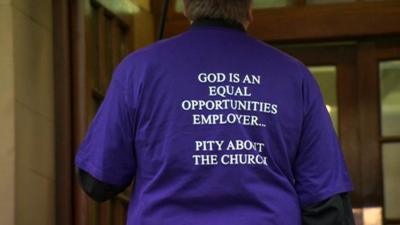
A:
56	60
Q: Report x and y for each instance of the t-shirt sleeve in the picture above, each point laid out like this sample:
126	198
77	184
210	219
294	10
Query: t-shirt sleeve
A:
319	168
107	152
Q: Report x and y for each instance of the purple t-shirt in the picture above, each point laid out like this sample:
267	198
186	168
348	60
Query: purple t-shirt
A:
216	128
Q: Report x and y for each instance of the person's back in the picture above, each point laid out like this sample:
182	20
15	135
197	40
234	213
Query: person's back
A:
216	128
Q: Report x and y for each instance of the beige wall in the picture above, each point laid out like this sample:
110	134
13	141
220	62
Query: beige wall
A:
27	149
7	115
26	113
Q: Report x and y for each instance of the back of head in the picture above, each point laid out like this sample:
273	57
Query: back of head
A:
235	10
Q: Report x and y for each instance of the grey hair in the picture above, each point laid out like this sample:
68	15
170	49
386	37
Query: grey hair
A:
236	10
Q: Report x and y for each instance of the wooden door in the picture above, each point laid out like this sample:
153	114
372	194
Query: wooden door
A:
104	35
382	64
360	81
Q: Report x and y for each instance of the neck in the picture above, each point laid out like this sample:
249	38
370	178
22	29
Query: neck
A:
219	22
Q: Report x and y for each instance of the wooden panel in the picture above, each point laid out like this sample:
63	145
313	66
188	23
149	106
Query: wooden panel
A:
115	43
317	22
119	213
349	125
327	21
79	87
311	53
87	51
101	42
63	128
392	222
388	49
112	36
368	93
105	213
